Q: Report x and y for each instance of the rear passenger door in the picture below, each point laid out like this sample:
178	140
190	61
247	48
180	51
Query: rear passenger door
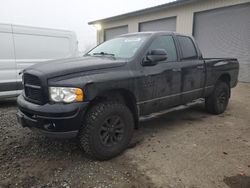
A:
192	70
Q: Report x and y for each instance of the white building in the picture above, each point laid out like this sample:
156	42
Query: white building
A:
221	27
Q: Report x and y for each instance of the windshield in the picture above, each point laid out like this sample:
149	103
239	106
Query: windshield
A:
122	47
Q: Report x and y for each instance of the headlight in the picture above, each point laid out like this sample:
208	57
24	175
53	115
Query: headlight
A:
65	94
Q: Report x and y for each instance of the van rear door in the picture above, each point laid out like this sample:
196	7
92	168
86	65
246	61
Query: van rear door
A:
36	45
8	83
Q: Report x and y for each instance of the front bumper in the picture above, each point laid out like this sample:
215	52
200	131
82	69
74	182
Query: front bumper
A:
53	120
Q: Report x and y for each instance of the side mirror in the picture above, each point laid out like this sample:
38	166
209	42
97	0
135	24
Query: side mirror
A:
154	56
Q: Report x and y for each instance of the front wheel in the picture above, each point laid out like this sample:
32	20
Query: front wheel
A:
107	130
217	102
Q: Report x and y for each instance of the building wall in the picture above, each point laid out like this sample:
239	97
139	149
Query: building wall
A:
184	14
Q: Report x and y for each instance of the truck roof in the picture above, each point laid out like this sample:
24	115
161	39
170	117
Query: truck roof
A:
153	33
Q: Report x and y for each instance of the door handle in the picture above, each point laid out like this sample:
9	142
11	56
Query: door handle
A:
177	70
200	67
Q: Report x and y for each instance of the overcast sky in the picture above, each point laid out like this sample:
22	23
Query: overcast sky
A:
68	14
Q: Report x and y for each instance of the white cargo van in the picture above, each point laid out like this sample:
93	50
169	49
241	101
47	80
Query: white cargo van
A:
22	46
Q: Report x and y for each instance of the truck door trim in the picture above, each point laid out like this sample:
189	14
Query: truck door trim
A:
155	99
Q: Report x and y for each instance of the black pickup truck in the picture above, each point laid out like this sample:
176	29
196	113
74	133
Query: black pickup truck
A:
99	98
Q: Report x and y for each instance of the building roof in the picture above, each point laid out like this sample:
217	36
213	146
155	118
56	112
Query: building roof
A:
143	11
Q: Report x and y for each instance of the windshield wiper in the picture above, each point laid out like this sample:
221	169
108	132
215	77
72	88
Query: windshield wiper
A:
104	53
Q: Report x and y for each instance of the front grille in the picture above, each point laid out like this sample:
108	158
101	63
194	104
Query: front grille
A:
33	88
31	79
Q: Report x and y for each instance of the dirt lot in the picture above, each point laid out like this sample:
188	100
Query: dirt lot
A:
187	148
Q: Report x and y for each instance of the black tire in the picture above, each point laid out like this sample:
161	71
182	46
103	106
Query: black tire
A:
217	102
106	119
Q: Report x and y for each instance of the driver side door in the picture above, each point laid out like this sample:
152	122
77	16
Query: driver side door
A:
163	79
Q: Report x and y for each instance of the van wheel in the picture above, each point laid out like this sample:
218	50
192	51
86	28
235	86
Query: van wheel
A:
107	130
217	102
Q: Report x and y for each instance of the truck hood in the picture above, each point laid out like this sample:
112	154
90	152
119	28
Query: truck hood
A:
62	67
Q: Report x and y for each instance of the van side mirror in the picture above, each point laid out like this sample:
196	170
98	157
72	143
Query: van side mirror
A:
155	56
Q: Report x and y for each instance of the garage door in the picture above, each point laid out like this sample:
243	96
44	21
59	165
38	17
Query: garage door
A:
113	32
226	33
166	24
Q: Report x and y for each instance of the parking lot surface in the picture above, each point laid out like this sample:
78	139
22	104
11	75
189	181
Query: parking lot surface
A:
185	148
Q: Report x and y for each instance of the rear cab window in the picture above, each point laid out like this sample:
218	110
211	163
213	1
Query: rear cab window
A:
187	47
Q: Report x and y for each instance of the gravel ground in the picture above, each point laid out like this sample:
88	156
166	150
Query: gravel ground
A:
186	148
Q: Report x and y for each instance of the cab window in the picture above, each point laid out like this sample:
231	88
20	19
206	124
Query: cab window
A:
187	47
167	43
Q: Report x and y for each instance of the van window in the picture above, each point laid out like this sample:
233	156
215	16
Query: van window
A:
166	43
41	47
6	46
187	47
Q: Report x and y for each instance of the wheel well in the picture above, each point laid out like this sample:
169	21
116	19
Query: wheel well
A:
122	96
226	78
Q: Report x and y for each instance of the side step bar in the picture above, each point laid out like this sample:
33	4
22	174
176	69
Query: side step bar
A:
181	107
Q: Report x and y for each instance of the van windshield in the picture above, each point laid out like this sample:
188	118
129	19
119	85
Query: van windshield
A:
121	47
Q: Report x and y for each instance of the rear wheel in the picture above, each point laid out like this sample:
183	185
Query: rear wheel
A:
217	102
107	130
